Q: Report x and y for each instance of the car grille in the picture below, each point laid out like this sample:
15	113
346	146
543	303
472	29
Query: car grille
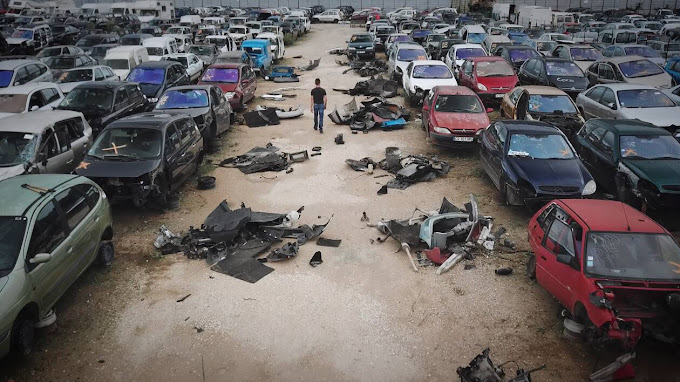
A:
464	131
672	187
501	89
559	189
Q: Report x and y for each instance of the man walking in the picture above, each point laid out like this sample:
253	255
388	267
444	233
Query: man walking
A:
318	106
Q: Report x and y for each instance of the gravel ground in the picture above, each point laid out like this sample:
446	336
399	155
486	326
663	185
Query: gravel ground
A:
361	315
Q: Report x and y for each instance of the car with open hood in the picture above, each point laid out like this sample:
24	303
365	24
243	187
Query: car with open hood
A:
42	142
532	162
71	78
581	54
454	116
237	81
155	76
628	69
145	157
51	230
422	75
550	71
490	77
633	160
542	103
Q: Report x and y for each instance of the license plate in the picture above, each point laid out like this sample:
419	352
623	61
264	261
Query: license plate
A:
463	139
361	51
500	95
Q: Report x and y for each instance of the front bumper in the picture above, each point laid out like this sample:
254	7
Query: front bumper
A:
361	53
492	98
532	198
121	189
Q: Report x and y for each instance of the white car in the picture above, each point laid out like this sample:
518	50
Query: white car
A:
421	76
329	16
255	27
29	97
674	94
190	61
401	55
239	33
183	40
277	44
459	52
71	78
554	37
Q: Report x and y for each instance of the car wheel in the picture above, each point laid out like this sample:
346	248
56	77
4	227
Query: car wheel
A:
105	253
336	21
531	267
23	336
162	194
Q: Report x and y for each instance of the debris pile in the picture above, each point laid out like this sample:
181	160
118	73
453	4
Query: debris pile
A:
375	86
481	369
280	113
311	66
366	69
373	113
261	117
232	240
262	159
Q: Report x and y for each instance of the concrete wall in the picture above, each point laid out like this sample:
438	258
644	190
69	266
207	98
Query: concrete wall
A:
645	5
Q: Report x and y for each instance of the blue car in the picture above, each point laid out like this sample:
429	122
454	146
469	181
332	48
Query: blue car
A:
673	68
532	163
260	51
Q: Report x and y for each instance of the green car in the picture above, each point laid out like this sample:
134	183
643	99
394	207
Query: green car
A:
52	228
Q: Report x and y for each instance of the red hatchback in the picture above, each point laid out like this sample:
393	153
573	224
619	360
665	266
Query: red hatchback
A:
453	116
611	266
490	77
237	81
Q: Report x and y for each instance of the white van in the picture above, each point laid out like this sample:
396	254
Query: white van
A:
122	59
190	21
472	34
492	41
158	47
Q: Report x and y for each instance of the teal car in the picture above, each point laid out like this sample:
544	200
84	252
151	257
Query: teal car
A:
673	68
52	228
261	52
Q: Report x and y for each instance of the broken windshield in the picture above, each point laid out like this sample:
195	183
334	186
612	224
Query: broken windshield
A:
183	99
649	147
539	146
629	255
135	143
16	148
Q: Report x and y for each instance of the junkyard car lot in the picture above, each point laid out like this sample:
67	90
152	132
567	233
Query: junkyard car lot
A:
361	315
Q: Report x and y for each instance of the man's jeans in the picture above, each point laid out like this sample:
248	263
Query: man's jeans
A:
318	115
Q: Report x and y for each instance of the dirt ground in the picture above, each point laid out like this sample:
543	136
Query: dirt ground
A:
361	315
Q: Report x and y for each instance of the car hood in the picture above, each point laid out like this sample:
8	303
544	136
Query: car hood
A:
68	86
505	82
584	65
98	168
17	40
661	80
8	172
469	121
660	172
360	45
429	83
569	83
550	172
3	281
5	115
659	116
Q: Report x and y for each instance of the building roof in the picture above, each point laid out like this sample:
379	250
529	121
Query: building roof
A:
35	121
611	216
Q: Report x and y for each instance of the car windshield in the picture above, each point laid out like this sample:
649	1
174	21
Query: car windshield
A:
458	104
432	71
120	64
464	53
85	98
628	255
154	76
59	62
639	68
541	103
12	103
11	236
494	69
127	142
649	147
79	75
131	41
253	51
23	33
401	38
626	38
539	146
436	37
16	148
360	38
225	75
87	42
202	50
420	33
643	51
268	30
408	55
519	38
562	68
556	37
519	55
181	60
644	98
476	38
154	51
99	51
237	30
585	54
183	99
49	52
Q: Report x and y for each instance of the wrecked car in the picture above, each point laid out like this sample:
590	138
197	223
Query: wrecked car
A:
55	214
156	76
361	45
490	77
532	162
633	160
629	69
144	157
542	103
613	268
550	71
422	75
454	116
237	81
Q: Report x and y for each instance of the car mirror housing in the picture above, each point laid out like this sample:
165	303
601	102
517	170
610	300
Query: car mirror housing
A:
611	105
40	258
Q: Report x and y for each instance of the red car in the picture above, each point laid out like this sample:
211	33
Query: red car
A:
611	266
236	80
453	116
490	77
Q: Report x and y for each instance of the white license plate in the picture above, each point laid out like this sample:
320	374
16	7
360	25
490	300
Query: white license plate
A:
463	139
500	95
361	51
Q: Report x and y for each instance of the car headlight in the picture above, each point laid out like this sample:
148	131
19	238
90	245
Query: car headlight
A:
352	48
589	189
441	130
229	95
153	100
482	87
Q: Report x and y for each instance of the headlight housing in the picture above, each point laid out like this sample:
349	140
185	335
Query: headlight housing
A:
589	188
441	130
229	95
153	100
482	87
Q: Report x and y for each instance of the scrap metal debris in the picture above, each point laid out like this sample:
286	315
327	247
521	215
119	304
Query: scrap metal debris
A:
261	117
323	242
337	51
311	66
316	259
366	69
481	369
373	87
373	113
280	113
620	369
258	159
184	298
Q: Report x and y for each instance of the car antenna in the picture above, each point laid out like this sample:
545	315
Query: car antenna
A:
40	190
624	212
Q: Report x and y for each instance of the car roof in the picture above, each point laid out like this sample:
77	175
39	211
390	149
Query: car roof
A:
13	64
515	126
621	59
454	90
154	120
466	46
625	86
27	88
486	58
611	216
22	198
628	126
104	84
546	90
35	121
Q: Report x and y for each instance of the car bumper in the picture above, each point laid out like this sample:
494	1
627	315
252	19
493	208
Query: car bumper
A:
125	190
533	199
362	54
491	98
454	140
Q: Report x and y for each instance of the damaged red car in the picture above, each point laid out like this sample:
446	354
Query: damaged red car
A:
454	116
613	268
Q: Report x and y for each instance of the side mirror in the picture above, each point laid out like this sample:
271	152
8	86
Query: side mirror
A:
611	105
41	158
40	258
489	110
34	108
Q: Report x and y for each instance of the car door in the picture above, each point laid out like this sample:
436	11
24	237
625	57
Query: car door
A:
52	97
135	99
174	163
541	75
56	152
248	83
427	106
36	101
605	74
493	147
221	109
75	133
607	105
595	157
526	73
590	102
406	78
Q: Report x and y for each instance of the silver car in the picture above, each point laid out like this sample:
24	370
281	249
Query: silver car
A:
628	69
19	72
629	101
674	94
39	142
634	50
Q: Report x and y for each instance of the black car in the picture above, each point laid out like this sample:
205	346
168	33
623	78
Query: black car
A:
533	162
86	43
105	102
205	103
516	55
65	34
361	45
551	71
68	61
144	157
156	76
316	9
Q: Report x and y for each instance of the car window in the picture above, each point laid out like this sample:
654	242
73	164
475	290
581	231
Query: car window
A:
98	75
559	239
33	71
595	93
48	231
63	137
676	66
42	68
608	142
215	97
121	97
172	140
608	97
21	76
606	72
75	206
50	95
543	220
515	95
184	130
49	145
36	100
596	135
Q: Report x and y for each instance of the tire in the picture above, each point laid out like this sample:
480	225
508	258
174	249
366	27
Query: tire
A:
531	267
172	201
23	336
206	182
105	254
336	21
163	191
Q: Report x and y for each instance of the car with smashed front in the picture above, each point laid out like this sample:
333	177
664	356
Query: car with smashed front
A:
51	230
532	162
422	75
145	157
615	270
